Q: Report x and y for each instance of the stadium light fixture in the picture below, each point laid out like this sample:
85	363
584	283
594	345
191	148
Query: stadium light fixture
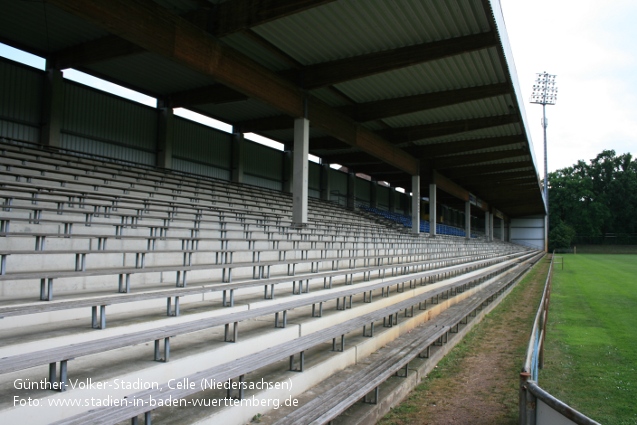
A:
545	93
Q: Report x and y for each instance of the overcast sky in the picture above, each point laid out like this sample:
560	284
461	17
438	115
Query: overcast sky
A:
591	46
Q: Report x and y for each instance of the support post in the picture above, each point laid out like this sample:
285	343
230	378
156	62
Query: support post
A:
325	182
165	134
406	203
52	107
432	209
351	190
467	219
486	225
502	229
238	148
373	194
415	204
300	170
286	172
491	227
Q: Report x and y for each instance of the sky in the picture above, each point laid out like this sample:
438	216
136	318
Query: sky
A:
591	46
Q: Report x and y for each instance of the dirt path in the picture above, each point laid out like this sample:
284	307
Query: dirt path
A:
477	383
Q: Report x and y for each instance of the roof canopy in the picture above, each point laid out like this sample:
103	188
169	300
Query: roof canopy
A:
392	88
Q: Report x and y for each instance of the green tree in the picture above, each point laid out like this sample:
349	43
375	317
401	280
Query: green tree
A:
596	198
561	237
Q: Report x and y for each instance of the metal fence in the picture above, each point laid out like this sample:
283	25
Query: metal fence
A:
537	406
606	239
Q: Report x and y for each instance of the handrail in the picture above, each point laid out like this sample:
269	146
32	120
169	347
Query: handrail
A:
530	391
536	341
559	406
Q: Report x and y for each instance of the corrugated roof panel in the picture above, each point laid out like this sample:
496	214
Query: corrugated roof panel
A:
502	148
503	161
328	96
374	125
151	73
499	131
462	137
474	109
248	47
462	71
508	160
49	29
353	27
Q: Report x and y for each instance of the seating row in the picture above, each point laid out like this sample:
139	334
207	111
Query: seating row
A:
188	268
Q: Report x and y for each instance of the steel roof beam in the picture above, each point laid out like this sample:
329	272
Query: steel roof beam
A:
158	30
392	107
334	72
370	168
237	15
279	122
503	183
371	111
506	175
476	158
351	158
452	188
213	94
101	49
373	172
505	194
477	170
224	19
446	128
326	143
444	148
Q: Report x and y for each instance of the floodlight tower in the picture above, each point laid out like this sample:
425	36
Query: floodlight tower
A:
545	93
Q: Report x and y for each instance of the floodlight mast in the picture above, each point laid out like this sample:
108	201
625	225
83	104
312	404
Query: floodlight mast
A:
545	93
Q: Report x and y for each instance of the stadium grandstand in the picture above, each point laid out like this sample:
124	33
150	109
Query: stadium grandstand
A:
157	270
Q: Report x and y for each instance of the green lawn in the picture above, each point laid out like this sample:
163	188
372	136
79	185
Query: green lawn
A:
591	342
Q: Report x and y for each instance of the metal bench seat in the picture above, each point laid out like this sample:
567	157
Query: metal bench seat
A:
237	369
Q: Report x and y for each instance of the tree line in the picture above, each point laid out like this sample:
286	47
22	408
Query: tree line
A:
594	202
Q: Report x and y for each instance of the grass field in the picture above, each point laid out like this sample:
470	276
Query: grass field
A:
591	343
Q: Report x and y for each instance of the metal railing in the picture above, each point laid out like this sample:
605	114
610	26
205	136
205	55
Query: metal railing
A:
537	406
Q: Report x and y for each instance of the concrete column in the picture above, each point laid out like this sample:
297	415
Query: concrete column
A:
467	219
491	227
238	149
415	204
351	190
165	135
392	200
373	194
286	171
300	170
486	225
432	209
52	108
502	229
325	182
